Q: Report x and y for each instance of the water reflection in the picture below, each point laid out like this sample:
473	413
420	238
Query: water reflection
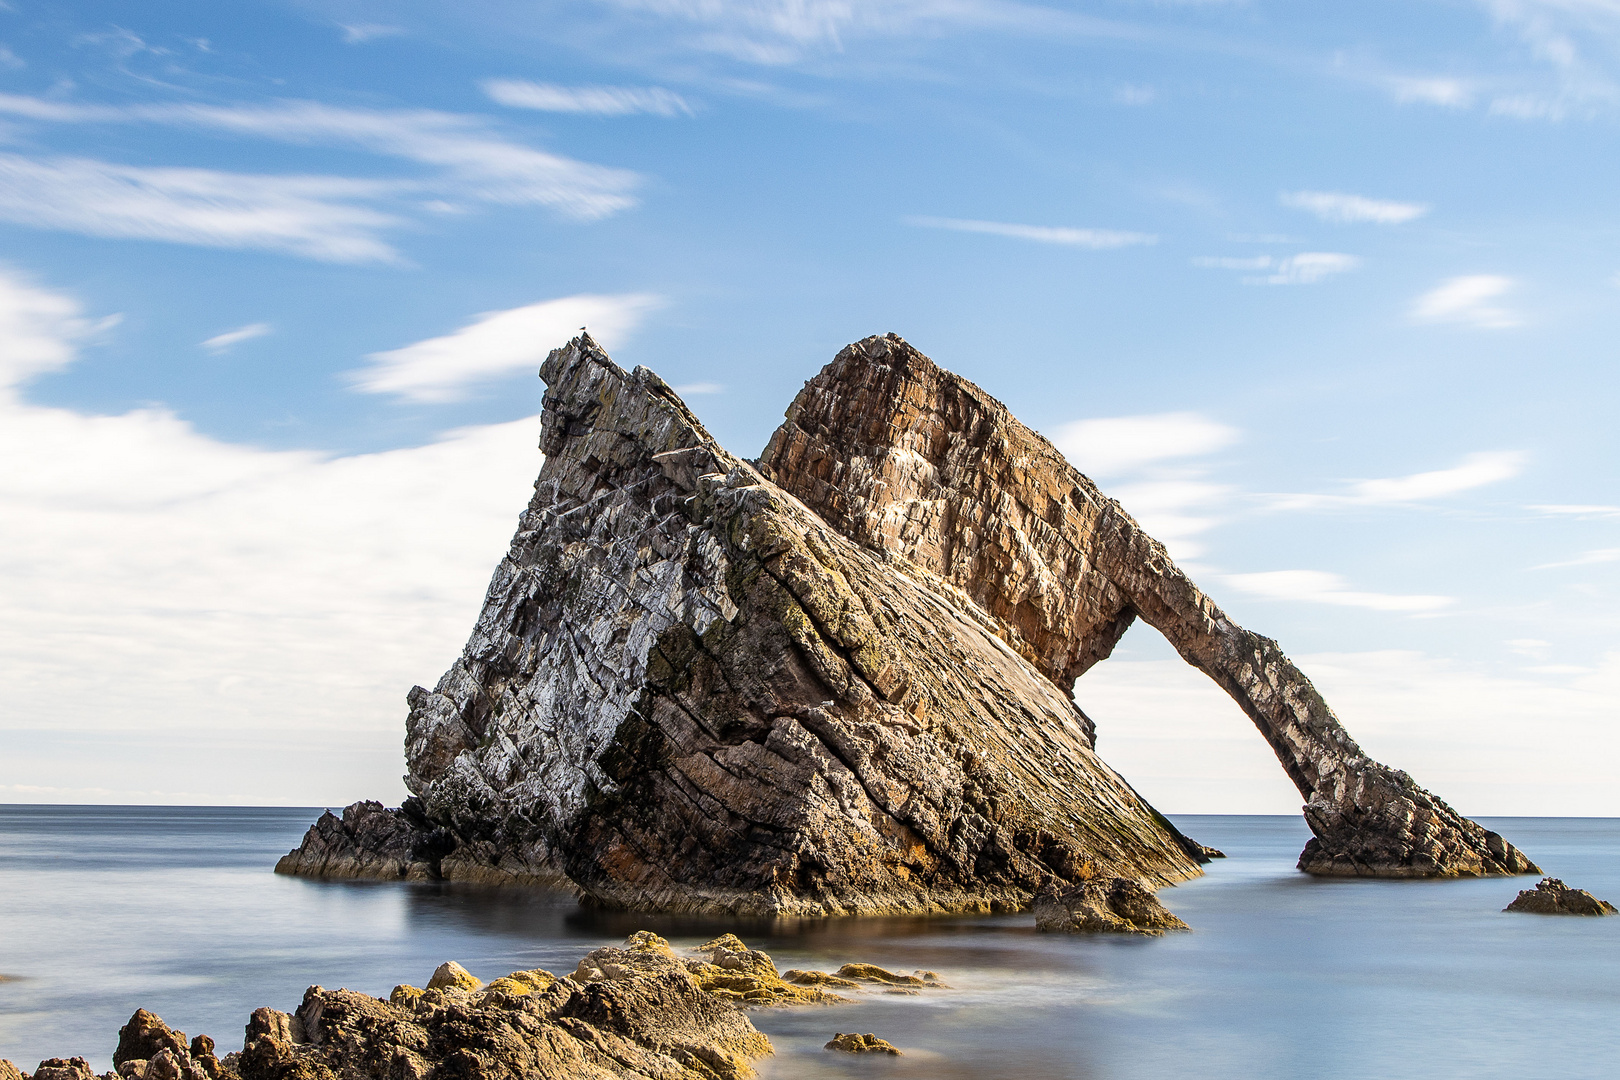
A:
175	910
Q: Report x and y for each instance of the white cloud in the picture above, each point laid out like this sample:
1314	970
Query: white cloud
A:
690	389
323	217
312	216
1041	234
223	343
1320	587
184	615
782	31
1586	510
1488	740
1340	208
359	33
1433	90
1468	300
1475	470
593	100
1227	262
497	343
1589	558
1308	268
1155	455
1109	446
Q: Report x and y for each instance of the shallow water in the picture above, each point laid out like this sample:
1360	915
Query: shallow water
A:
106	909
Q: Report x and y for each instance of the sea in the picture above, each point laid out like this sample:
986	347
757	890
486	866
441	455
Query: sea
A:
106	909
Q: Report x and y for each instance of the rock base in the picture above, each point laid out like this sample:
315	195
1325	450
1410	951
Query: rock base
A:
1103	906
1553	897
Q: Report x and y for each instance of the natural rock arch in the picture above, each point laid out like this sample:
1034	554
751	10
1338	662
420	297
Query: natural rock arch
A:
907	458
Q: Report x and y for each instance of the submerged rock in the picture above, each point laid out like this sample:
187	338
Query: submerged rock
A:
687	692
920	464
861	1044
1553	897
1103	906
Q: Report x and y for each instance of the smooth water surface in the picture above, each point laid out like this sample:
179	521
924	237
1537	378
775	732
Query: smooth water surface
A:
106	909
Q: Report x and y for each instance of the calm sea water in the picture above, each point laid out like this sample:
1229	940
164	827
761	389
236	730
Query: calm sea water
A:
106	909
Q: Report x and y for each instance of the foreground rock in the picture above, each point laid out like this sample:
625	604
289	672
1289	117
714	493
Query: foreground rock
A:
640	1012
688	692
923	466
1553	897
862	1044
1112	905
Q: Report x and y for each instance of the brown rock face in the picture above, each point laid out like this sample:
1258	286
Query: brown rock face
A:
921	465
1103	906
1553	897
687	692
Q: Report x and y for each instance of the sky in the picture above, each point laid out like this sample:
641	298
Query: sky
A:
1326	294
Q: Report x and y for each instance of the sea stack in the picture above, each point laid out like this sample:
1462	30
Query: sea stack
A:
835	681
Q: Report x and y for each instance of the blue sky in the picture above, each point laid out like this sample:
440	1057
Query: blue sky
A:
1326	294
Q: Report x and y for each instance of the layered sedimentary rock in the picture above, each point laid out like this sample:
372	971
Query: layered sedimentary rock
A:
1114	905
686	691
919	464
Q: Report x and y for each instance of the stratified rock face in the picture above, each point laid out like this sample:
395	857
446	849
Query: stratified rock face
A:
920	464
686	692
1553	897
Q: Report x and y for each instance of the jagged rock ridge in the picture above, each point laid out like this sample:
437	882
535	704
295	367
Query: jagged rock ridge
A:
686	691
918	463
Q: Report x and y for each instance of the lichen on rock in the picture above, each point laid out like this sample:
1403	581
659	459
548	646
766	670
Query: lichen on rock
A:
862	1044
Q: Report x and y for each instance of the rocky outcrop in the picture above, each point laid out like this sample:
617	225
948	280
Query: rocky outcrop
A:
371	841
687	692
1110	905
1553	897
924	467
637	1012
861	1044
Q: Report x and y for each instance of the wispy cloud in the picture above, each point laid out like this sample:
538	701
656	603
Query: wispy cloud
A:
223	343
1588	558
1109	446
1447	92
312	216
1097	239
1344	209
1308	268
359	33
323	217
497	343
592	100
1585	510
696	388
1469	300
1320	587
1475	470
1157	458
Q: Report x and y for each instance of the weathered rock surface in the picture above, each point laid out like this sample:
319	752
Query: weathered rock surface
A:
1553	897
862	1044
1109	905
371	841
640	1012
686	691
923	466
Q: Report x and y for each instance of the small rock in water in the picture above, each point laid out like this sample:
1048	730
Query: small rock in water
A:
1553	897
65	1069
452	976
862	1044
1103	906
